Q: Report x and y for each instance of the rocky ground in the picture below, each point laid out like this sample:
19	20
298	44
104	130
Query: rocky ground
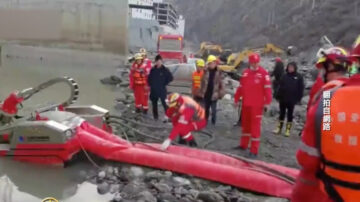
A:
136	184
224	137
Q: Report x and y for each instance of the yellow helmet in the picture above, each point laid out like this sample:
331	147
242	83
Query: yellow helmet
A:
143	51
138	56
200	63
173	99
211	58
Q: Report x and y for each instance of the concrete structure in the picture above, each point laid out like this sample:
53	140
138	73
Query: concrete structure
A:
141	9
143	34
166	14
97	23
181	25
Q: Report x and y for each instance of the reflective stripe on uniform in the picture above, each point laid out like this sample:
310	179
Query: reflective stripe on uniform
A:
245	135
312	151
267	86
182	120
255	139
187	136
195	126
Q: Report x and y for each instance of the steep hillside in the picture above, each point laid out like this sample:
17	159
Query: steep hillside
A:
239	23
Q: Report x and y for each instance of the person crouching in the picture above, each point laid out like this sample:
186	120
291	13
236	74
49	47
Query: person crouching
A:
186	116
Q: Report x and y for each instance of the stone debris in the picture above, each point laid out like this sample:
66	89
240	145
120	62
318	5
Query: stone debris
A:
164	186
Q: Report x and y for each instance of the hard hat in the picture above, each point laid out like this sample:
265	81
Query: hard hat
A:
143	51
211	58
254	58
355	53
200	63
337	55
278	59
173	99
138	56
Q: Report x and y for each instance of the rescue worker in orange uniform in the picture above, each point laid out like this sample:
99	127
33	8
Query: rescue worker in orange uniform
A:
255	91
186	116
138	83
329	151
196	80
147	61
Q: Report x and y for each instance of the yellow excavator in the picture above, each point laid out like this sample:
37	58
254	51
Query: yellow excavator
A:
208	48
270	48
235	59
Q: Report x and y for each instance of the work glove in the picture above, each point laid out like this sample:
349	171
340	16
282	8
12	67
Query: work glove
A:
165	144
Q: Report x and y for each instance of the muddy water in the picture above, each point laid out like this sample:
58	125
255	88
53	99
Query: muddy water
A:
21	182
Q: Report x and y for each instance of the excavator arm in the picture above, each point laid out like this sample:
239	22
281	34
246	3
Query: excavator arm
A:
235	60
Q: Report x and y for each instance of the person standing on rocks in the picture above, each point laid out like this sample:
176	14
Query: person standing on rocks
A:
186	116
277	73
255	91
138	83
158	79
290	93
147	61
327	149
196	81
212	88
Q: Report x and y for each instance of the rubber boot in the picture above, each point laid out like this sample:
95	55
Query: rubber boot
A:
288	129
192	143
137	110
252	155
145	111
278	128
181	141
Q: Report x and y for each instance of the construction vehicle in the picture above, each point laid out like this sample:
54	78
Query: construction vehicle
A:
208	48
235	60
270	48
171	48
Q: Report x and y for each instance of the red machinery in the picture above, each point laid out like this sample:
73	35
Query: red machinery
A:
171	47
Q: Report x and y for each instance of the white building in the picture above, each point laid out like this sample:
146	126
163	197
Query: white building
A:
161	10
141	9
181	25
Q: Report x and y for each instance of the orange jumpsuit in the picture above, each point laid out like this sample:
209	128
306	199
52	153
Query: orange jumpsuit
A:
189	117
308	187
255	89
138	83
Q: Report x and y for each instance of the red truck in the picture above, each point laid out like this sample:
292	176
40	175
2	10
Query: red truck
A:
170	47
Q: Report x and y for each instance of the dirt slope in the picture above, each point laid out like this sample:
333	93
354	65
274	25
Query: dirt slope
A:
236	24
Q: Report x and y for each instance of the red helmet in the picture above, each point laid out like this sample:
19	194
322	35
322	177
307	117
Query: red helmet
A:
254	58
278	59
334	54
174	99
